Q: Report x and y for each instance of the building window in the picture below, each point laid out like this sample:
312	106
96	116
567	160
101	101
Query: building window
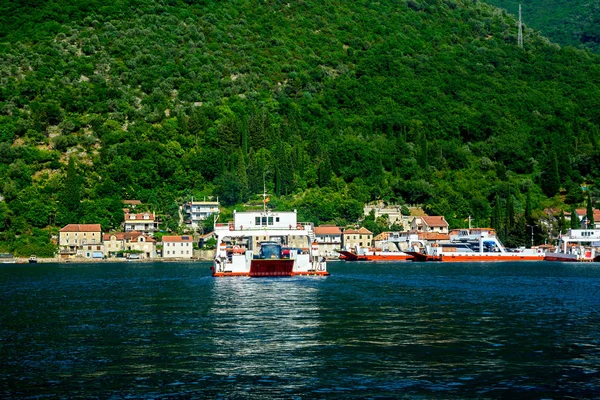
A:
270	220
257	221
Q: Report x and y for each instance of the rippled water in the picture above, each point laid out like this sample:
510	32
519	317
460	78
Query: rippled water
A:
400	330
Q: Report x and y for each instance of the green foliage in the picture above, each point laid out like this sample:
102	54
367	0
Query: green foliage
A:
328	105
589	211
572	23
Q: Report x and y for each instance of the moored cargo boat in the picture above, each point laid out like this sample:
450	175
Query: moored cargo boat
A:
473	245
373	254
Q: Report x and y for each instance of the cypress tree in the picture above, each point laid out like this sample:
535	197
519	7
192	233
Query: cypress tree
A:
423	156
551	179
562	222
510	212
71	198
589	212
528	211
574	219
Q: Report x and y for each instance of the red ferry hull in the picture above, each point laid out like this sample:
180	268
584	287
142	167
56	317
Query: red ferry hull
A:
350	256
423	257
475	257
277	267
271	268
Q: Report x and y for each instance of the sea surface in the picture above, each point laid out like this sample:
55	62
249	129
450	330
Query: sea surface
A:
370	330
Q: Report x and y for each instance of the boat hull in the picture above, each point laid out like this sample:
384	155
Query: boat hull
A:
270	268
416	256
488	258
476	257
565	257
351	256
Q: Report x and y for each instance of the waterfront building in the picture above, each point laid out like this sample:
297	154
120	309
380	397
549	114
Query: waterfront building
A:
198	211
145	222
351	238
177	247
134	245
329	238
81	240
427	223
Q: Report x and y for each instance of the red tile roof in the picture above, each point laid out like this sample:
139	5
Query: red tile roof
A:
434	220
82	228
131	236
327	230
184	238
433	236
382	236
583	212
139	217
361	231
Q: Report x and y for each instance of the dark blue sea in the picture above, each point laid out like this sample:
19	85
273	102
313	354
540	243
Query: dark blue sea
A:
370	330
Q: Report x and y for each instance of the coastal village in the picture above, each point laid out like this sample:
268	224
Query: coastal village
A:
138	238
141	239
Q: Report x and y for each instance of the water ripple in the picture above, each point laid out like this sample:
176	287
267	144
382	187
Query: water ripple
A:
405	330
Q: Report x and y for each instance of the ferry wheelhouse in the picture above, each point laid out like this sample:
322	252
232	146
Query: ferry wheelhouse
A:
266	243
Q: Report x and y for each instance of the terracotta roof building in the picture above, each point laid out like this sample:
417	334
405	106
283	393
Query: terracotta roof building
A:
429	224
80	240
352	238
133	245
329	238
177	247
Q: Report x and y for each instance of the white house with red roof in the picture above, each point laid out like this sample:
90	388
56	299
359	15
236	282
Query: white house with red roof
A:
177	247
133	245
145	222
428	223
329	238
80	240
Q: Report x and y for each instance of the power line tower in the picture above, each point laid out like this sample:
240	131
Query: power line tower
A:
520	36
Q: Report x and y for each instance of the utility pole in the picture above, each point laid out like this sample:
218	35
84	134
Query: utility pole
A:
520	36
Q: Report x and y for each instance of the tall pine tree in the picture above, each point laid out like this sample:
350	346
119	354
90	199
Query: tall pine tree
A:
574	219
550	178
589	212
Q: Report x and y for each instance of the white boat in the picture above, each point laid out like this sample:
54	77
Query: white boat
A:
577	245
266	243
474	244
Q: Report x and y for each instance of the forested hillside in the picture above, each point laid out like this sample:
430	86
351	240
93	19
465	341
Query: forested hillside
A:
332	103
567	22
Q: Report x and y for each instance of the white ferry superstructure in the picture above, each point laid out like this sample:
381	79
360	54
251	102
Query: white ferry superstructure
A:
577	245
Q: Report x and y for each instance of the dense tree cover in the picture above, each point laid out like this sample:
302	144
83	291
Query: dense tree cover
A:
566	22
330	104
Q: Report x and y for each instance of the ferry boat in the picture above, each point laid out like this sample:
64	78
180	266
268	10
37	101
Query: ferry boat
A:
266	243
470	245
384	253
578	245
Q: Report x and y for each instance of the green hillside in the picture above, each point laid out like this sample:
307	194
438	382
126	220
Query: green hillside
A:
569	23
333	103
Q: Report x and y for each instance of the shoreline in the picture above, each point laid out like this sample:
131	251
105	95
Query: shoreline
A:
93	261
